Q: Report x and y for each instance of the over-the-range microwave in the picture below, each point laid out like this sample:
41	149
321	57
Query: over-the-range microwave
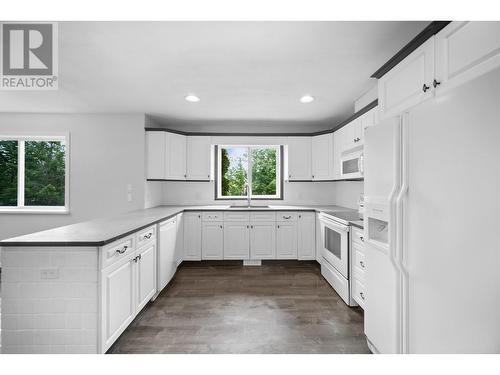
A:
352	164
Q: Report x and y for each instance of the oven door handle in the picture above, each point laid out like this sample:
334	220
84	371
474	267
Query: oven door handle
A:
331	223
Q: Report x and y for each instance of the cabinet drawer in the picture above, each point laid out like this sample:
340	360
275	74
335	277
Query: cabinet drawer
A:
359	294
146	236
116	251
358	263
262	216
237	216
286	216
358	237
212	216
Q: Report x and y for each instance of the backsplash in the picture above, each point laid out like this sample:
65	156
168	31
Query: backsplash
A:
343	193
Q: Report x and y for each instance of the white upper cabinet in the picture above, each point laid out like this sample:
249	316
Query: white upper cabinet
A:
366	120
198	158
409	82
322	157
337	152
175	156
465	50
155	155
306	235
299	158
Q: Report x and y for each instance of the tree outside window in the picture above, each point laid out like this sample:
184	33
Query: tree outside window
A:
255	166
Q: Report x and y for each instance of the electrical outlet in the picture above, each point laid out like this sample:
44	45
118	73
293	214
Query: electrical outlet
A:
49	273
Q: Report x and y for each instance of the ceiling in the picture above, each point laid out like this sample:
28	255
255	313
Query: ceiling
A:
242	71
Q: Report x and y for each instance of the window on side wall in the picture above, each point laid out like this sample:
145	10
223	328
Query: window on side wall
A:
255	167
34	174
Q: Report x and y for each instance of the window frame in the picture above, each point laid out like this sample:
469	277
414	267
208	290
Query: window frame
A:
279	172
22	139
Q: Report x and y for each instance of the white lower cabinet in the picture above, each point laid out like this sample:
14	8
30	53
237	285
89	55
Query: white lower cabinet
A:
126	287
286	240
167	262
192	235
262	240
306	238
237	240
117	293
212	237
179	239
146	275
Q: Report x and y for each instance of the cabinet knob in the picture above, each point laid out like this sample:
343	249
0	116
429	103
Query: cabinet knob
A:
362	264
251	226
362	295
220	226
435	83
278	227
362	239
248	226
425	88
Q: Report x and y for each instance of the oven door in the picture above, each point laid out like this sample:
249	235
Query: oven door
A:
352	165
335	244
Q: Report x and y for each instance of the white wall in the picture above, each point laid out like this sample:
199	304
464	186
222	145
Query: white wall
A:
200	193
347	193
367	97
106	154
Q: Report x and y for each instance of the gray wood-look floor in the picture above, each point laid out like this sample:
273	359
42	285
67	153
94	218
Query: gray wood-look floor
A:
280	307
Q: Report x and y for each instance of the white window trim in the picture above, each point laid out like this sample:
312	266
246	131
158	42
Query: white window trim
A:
21	208
277	196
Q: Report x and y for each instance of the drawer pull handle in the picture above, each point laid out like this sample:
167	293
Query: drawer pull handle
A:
287	217
121	251
362	295
362	264
148	236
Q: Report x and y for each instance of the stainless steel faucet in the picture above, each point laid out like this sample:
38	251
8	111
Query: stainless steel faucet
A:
247	190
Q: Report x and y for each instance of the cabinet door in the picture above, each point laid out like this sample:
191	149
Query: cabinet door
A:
175	156
286	240
155	154
262	240
236	240
322	154
179	239
117	300
192	235
306	236
299	158
198	158
403	86
465	50
167	264
146	275
365	121
349	135
212	240
337	153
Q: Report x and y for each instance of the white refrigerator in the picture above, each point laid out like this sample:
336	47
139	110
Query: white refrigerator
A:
432	186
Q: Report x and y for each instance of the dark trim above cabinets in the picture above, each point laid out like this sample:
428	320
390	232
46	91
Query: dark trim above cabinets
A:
361	112
432	29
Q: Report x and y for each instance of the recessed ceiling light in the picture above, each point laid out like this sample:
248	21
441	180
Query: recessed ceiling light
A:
192	98
307	99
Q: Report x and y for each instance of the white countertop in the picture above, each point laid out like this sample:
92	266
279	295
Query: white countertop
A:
99	232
